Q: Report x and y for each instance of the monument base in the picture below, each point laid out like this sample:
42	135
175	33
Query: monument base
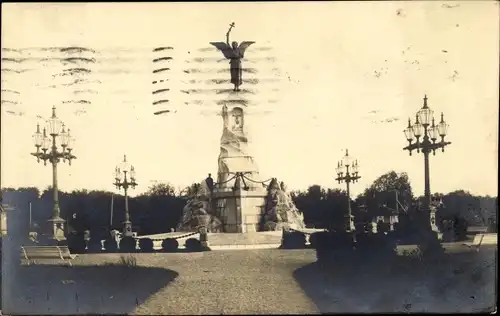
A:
240	211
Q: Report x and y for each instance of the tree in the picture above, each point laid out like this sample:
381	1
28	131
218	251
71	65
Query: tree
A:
21	199
476	210
335	208
159	189
323	208
191	190
383	192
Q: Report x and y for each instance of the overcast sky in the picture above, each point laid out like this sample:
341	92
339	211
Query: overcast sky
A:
332	76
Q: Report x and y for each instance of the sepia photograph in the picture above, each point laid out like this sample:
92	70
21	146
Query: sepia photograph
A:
274	157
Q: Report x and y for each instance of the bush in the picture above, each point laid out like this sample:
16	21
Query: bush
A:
110	245
360	227
170	245
100	234
386	244
430	246
342	241
383	227
320	240
193	244
323	243
460	229
294	240
146	244
364	242
128	244
94	245
76	243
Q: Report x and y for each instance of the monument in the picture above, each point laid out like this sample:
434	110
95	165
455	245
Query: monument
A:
239	202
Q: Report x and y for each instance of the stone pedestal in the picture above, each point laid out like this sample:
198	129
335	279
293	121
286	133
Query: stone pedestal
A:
240	210
127	229
427	219
56	226
428	228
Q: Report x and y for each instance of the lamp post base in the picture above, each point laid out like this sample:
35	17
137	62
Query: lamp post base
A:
56	225
127	229
54	233
349	223
428	220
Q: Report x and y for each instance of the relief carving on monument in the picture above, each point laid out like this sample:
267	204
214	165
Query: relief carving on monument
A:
280	211
199	211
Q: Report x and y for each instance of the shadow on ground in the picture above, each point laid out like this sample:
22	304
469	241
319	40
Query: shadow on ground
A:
454	282
103	289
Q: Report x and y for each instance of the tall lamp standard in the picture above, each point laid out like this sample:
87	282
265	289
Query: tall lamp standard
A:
46	150
347	171
426	129
125	178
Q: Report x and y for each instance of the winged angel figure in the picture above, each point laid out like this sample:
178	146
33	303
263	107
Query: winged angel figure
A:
234	53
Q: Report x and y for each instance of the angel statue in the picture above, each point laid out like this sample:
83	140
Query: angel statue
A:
234	53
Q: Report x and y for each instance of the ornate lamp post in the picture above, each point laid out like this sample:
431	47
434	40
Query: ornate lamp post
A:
347	171
125	178
423	137
46	150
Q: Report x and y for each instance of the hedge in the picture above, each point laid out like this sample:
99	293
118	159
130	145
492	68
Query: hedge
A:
128	244
94	245
170	245
294	240
193	244
146	244
76	243
320	240
110	244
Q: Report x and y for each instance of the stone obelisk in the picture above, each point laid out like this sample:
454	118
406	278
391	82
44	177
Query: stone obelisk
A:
239	195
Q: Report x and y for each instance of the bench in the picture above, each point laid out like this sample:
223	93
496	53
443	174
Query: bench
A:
30	253
482	239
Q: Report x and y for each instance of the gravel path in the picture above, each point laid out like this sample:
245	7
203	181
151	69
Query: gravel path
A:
234	282
217	282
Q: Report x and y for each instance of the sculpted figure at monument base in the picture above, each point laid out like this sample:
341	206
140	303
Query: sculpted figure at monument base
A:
198	212
280	211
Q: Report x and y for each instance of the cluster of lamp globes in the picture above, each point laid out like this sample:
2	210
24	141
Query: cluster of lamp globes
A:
46	147
125	175
426	127
349	168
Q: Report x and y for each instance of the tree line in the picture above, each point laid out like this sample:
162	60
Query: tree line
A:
160	208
